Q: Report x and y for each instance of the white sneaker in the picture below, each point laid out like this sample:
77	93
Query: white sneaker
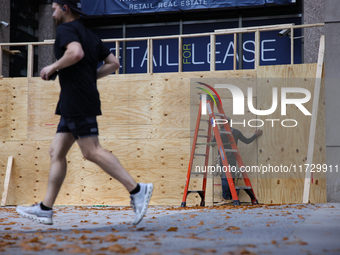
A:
35	213
140	201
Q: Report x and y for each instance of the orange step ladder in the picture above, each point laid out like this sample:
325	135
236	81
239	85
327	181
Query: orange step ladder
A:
212	116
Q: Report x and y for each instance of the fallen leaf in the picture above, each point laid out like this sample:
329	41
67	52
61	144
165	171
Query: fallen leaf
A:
96	238
83	237
172	229
81	250
197	251
251	245
246	252
26	228
49	246
232	228
86	231
110	238
120	249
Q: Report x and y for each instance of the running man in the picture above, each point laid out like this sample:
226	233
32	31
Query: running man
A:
78	52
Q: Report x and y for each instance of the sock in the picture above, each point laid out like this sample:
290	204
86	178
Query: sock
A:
44	208
136	190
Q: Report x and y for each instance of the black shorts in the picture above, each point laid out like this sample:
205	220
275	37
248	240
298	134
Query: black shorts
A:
80	127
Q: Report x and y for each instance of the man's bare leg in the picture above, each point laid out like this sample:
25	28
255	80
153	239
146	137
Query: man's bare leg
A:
140	194
60	146
93	152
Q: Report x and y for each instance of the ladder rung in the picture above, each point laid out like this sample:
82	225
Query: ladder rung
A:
219	114
242	187
193	173
200	155
225	132
195	191
205	120
205	136
230	150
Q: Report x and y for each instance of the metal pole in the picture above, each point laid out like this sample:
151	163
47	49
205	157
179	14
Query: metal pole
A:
240	44
124	50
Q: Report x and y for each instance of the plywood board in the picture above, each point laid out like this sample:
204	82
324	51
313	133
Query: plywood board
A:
13	109
282	146
318	187
145	124
7	180
43	99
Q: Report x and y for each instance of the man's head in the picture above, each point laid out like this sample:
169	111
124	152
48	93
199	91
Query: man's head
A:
63	10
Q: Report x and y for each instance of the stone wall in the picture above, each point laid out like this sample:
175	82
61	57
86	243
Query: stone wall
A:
5	33
314	12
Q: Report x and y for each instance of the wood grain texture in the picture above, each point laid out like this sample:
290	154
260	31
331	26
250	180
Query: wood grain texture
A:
13	109
7	180
146	124
283	146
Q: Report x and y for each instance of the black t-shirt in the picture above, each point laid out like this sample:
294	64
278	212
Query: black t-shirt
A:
79	95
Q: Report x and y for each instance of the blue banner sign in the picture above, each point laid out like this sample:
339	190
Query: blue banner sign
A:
274	50
106	7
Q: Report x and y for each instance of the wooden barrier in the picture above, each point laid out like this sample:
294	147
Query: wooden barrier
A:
149	40
7	179
145	124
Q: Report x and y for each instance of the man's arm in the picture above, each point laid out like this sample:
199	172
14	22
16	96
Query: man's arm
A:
241	137
110	65
73	54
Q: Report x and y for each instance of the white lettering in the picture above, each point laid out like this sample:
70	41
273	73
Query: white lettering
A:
265	50
262	112
237	123
231	45
193	56
248	50
272	120
167	57
297	101
238	97
145	58
289	120
132	54
216	53
219	122
160	55
256	120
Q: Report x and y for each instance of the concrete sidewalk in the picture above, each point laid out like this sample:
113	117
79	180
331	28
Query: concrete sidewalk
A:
283	229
